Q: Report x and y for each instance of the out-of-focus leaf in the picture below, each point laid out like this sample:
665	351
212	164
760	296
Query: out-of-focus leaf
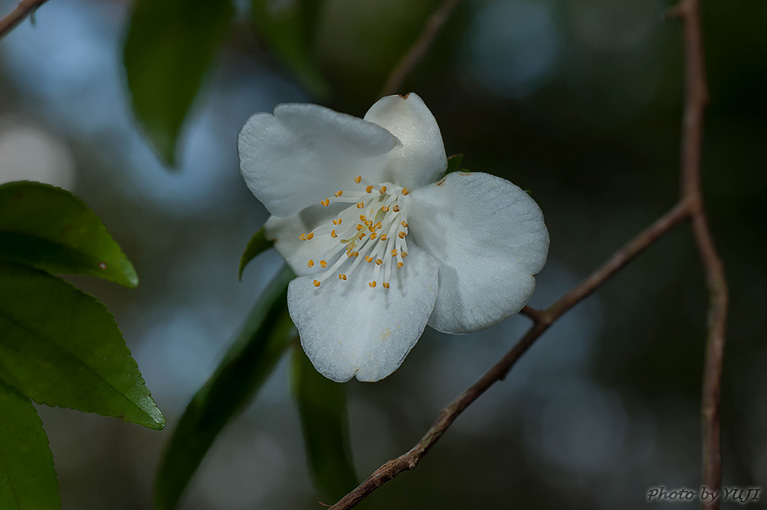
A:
168	48
51	229
290	30
27	477
322	407
454	163
257	245
61	347
249	361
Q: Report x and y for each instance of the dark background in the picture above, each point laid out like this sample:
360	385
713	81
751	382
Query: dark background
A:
578	101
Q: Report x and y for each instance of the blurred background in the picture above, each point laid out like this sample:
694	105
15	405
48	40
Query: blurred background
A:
578	101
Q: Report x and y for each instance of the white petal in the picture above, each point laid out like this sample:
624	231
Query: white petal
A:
490	237
348	328
420	160
304	153
285	232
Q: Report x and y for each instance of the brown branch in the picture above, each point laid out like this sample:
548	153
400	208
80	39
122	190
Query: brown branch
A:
542	321
692	141
21	11
419	48
690	206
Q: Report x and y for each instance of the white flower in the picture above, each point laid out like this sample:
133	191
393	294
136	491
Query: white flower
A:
381	244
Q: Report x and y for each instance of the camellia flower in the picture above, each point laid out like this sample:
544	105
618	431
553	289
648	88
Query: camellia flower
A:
382	244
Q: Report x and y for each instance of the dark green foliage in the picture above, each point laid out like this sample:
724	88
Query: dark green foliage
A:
322	407
249	361
168	49
51	229
257	245
27	477
454	164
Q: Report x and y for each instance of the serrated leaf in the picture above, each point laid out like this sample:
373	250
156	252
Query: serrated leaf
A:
454	163
61	347
257	245
248	363
290	29
168	49
53	230
322	408
27	477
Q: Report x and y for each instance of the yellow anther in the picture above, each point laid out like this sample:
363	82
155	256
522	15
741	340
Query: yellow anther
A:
394	252
383	237
302	237
339	192
356	254
402	235
368	189
333	234
337	221
369	223
395	208
323	263
309	235
379	261
385	208
372	229
363	217
378	226
403	223
368	259
358	179
362	235
386	285
373	235
383	190
325	202
405	191
400	264
359	227
404	254
310	263
372	284
360	205
317	283
342	276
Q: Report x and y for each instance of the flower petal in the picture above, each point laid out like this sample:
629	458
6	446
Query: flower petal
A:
420	160
304	153
490	237
286	233
348	328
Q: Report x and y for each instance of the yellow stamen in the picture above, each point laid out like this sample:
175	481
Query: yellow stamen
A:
368	259
383	190
342	276
405	191
404	254
403	223
325	202
368	189
309	236
379	261
359	227
360	205
316	283
394	252
372	284
337	221
358	179
395	208
339	192
302	237
386	285
399	265
402	235
373	235
310	263
385	208
383	237
323	263
333	234
363	217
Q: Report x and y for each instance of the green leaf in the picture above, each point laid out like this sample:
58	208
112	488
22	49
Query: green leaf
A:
322	407
290	30
454	163
27	476
249	361
168	49
257	245
51	229
61	347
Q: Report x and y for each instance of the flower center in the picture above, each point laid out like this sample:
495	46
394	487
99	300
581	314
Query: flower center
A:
369	233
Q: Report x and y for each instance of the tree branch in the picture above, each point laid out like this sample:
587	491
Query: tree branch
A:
690	206
419	48
21	11
692	141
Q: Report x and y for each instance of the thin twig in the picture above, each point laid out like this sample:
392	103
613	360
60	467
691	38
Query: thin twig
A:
542	321
21	11
419	48
692	141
